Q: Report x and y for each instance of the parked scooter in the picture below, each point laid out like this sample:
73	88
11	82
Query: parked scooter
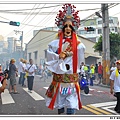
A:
83	82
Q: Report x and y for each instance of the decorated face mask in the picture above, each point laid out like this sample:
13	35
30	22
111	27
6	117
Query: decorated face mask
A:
68	29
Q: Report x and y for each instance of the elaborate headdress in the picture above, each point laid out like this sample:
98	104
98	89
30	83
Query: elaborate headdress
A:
68	13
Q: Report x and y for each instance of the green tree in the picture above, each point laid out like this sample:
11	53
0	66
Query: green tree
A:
114	45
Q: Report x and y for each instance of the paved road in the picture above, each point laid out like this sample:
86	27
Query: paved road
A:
98	102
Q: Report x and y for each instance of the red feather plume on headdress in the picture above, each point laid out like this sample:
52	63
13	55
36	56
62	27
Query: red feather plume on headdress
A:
68	13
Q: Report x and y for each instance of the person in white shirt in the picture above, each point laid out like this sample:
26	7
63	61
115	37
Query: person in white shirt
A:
23	72
115	83
20	69
113	67
31	69
82	68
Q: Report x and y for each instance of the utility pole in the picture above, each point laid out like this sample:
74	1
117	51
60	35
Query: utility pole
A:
105	44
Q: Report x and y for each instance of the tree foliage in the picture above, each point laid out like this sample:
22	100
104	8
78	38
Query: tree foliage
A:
114	45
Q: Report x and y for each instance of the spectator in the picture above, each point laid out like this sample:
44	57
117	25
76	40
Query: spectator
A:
96	72
92	74
82	68
3	81
45	73
86	69
23	72
113	67
115	83
20	69
100	72
31	69
12	72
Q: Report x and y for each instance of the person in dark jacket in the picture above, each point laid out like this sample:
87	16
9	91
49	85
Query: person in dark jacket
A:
96	72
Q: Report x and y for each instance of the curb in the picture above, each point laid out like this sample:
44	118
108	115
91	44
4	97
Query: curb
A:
102	85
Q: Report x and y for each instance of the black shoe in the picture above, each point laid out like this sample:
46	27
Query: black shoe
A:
118	111
16	92
115	95
115	109
60	111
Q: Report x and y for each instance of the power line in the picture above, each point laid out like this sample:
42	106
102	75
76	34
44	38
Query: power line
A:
40	22
31	9
22	21
42	13
45	37
40	26
92	15
25	19
31	18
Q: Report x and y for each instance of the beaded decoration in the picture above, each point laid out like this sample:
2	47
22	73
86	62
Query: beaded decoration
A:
68	13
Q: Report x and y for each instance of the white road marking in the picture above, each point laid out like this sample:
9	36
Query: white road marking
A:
100	91
112	111
34	95
38	76
45	88
6	97
91	89
104	104
86	94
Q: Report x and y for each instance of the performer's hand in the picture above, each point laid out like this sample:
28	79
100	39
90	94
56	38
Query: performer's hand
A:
62	55
111	91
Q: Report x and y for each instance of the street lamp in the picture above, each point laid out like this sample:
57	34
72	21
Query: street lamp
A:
98	14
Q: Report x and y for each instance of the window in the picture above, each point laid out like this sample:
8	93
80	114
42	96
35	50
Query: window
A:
115	29
112	29
100	22
99	31
35	54
91	23
111	21
29	55
82	32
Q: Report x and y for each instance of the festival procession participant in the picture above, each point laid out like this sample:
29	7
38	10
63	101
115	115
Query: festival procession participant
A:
64	57
3	80
115	83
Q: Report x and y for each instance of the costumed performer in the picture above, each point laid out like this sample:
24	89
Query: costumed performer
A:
64	57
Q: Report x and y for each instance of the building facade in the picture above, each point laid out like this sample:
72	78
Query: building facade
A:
37	46
96	23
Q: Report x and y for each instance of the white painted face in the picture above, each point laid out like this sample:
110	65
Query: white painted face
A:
68	29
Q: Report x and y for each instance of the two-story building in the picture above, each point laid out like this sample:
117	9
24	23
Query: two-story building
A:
96	23
37	46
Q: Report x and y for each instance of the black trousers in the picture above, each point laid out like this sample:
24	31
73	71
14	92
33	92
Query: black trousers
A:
118	101
30	80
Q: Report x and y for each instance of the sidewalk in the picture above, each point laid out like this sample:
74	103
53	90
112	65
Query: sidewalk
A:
102	85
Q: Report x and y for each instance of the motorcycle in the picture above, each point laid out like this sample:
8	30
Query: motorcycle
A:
84	85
